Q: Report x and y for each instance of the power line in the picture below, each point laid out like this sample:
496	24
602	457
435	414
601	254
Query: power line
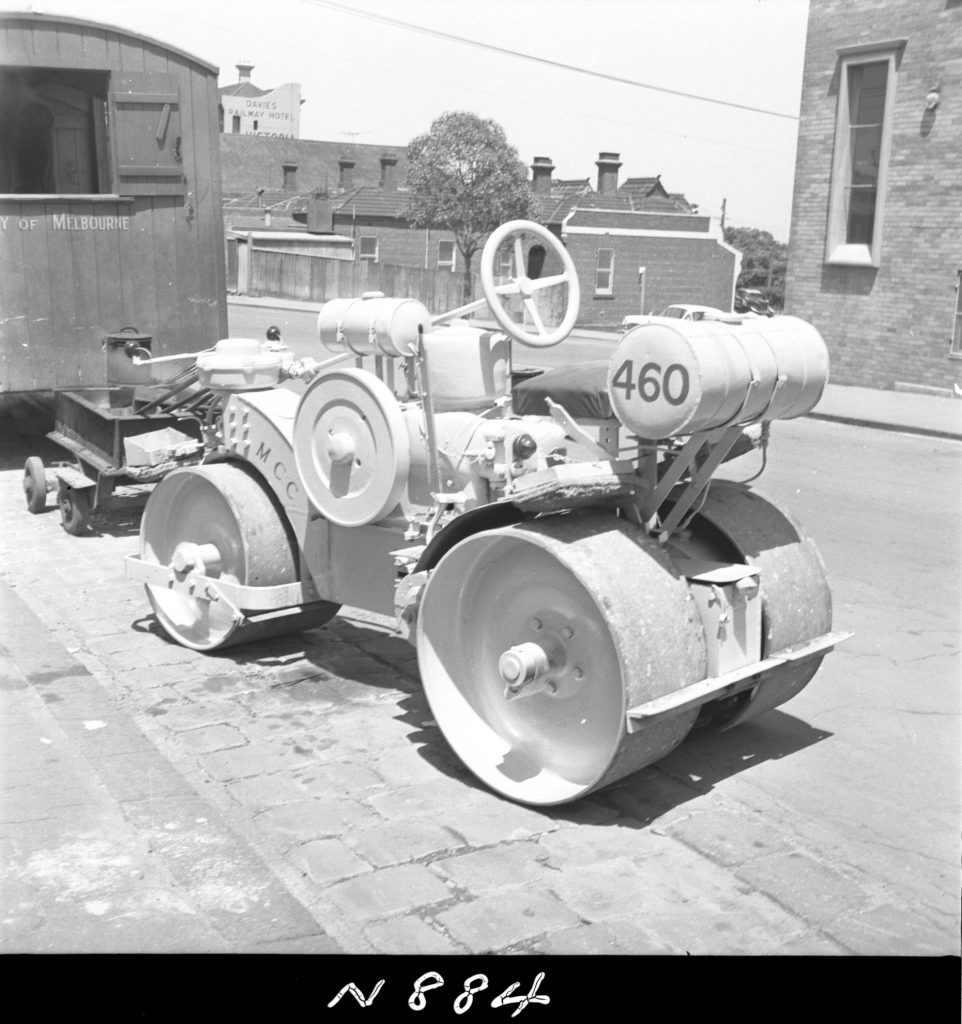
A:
437	33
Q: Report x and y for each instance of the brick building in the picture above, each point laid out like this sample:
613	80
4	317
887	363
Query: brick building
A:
269	182
373	215
636	246
244	109
875	253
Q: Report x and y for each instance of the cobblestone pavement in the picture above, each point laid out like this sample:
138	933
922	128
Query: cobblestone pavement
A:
303	780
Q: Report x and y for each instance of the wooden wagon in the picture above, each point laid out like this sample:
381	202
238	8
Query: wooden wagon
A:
110	200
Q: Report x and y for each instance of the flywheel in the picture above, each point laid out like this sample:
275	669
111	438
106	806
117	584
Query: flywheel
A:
351	446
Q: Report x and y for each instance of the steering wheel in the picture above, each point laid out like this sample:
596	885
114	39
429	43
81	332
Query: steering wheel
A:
526	286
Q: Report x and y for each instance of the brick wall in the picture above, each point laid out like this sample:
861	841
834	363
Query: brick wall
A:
692	270
890	324
251	161
398	244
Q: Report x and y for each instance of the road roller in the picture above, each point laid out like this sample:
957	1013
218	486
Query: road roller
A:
582	592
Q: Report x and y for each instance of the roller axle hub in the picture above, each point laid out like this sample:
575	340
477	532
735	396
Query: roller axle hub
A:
524	669
200	558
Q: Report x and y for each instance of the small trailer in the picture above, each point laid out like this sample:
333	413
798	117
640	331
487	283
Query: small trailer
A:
120	436
110	200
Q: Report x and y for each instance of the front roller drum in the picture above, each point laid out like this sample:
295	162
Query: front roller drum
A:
796	599
533	642
220	521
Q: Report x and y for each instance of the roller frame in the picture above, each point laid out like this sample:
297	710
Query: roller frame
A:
234	595
727	685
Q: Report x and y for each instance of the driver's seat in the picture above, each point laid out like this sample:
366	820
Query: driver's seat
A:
583	392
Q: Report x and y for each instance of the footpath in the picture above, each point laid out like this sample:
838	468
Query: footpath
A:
98	831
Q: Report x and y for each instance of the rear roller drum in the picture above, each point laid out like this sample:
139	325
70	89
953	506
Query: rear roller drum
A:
220	521
533	642
796	600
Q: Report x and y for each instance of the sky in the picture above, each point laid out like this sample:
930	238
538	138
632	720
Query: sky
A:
663	83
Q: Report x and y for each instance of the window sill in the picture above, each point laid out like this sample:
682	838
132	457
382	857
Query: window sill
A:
956	355
603	295
852	256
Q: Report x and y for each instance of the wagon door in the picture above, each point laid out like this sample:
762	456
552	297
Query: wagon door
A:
162	272
146	133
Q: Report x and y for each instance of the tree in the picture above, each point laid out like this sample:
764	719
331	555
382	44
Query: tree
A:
763	262
465	177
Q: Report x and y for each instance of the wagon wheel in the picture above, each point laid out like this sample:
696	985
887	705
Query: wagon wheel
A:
535	639
35	484
75	506
796	599
526	287
220	521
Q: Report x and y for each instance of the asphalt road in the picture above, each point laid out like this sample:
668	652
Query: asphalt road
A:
299	330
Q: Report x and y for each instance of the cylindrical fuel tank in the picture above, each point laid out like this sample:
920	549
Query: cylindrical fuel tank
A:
681	377
373	325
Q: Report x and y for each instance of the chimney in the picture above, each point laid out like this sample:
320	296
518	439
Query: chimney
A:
607	164
346	168
541	175
389	172
290	175
244	73
320	213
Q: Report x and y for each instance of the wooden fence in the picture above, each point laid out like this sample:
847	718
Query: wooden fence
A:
309	278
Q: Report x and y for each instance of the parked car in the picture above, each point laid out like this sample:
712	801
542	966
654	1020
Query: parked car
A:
750	300
678	311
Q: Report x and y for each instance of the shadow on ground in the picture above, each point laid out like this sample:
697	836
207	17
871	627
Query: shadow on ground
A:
692	770
346	661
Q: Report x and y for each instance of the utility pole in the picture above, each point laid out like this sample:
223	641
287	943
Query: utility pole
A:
724	204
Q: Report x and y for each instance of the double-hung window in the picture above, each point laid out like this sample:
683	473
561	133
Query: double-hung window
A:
863	132
605	272
446	255
504	269
367	248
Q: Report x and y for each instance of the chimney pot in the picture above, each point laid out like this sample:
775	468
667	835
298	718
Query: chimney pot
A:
608	165
346	168
541	169
388	172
